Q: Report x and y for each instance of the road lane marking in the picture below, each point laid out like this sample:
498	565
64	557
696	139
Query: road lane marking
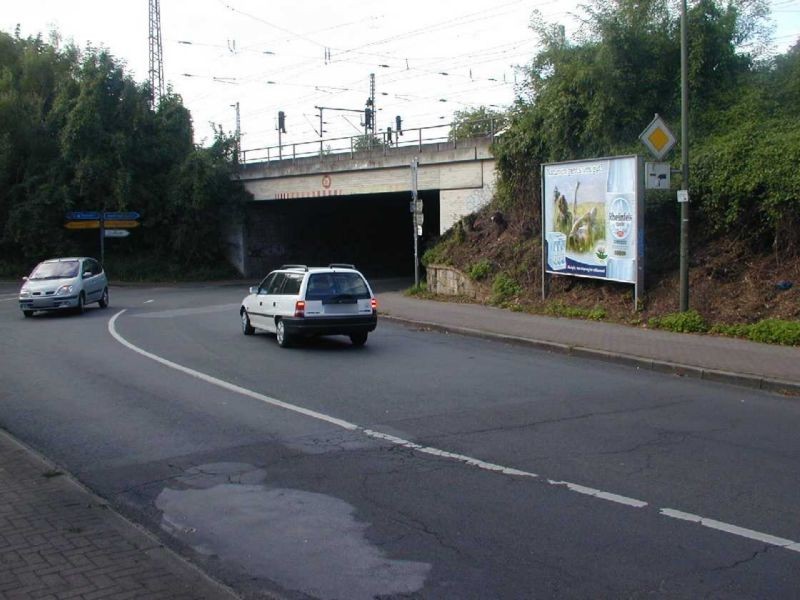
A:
582	489
733	529
487	466
148	301
224	384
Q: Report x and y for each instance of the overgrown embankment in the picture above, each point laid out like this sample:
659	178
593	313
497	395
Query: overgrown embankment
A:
590	98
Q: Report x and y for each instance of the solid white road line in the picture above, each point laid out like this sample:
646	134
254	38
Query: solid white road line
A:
487	466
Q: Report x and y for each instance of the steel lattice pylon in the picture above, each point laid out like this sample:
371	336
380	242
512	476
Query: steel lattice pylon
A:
156	54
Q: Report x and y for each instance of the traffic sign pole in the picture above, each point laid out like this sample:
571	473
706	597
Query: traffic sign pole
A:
414	169
684	251
102	238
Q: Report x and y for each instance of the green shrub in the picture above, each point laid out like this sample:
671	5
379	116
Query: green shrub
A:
741	330
776	331
418	290
574	312
504	288
480	270
459	235
684	322
431	256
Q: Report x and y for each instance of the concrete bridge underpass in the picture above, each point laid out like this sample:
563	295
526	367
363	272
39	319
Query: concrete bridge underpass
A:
354	207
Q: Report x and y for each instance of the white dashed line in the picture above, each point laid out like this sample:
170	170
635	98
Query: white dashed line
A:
732	529
468	460
581	489
148	301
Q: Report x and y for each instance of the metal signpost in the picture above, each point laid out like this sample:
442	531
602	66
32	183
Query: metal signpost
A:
416	211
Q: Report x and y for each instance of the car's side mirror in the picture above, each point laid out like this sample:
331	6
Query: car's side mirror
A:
87	274
253	289
25	278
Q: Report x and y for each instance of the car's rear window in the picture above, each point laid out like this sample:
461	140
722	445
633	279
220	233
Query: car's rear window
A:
56	270
324	286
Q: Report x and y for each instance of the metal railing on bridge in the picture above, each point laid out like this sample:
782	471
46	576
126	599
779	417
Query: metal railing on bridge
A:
366	145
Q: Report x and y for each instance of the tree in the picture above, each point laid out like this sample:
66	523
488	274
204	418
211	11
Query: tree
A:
476	122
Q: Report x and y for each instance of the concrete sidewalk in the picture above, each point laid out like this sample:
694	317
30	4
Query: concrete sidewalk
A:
58	540
762	366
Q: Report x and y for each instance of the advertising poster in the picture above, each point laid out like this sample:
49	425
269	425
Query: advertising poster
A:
591	218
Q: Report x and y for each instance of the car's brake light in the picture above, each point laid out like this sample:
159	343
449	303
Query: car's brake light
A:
300	308
374	304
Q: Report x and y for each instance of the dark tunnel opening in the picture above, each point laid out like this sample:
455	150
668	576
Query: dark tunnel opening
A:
372	232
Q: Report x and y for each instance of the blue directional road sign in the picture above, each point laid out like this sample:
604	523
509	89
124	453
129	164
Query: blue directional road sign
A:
120	216
84	216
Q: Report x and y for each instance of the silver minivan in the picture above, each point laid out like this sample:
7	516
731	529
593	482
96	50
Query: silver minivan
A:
64	283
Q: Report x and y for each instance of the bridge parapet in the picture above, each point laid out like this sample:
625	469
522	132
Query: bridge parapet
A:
476	149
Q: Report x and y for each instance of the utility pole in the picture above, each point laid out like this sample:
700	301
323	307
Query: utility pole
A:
321	132
156	70
238	131
281	130
684	251
372	101
322	123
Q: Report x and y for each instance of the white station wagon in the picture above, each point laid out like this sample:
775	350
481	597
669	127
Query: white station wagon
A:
299	301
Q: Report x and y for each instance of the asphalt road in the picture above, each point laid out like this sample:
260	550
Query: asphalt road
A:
423	465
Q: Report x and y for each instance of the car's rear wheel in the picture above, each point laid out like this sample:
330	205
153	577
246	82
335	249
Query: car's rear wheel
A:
247	329
281	335
81	304
104	299
28	313
358	339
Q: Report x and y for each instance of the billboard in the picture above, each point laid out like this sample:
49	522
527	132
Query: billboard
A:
593	219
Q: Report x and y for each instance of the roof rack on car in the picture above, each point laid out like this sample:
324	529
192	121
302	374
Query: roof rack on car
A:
304	267
341	266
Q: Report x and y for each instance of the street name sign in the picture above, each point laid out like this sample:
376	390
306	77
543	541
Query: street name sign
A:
96	224
121	224
116	233
83	216
82	224
121	216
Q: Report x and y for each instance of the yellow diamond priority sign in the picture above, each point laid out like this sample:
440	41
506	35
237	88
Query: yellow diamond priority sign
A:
658	138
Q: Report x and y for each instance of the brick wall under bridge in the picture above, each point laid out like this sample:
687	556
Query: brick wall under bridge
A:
312	209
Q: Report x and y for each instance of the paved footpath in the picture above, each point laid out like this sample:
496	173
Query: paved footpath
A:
58	540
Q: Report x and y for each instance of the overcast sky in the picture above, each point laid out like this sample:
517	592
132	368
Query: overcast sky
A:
429	58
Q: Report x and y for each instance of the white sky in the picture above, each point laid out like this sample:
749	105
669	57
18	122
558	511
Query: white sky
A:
270	56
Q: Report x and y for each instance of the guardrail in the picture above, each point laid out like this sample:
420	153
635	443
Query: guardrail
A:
380	143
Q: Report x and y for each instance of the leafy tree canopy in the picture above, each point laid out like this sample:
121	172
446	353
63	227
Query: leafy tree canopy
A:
78	133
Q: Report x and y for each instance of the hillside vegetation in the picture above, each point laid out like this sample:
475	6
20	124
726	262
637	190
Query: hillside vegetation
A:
591	97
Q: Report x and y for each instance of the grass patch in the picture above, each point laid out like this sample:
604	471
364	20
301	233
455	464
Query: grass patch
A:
683	322
504	288
768	331
418	291
558	309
